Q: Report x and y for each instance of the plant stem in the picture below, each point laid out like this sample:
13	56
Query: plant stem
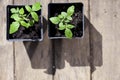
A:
28	15
26	19
66	25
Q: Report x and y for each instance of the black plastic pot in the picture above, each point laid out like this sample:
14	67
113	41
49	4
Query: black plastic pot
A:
56	8
38	29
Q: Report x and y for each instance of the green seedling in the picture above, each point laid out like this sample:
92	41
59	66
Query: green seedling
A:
22	19
63	21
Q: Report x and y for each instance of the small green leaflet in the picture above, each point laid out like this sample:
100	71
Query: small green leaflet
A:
67	21
70	10
28	8
34	16
55	20
36	6
64	14
31	22
13	10
14	27
61	26
69	26
60	16
21	11
15	17
24	24
69	17
68	33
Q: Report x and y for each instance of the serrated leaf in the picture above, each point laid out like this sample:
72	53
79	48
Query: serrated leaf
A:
68	33
34	16
70	26
15	17
28	8
70	10
61	26
69	17
13	10
36	6
55	20
24	24
64	14
21	11
14	27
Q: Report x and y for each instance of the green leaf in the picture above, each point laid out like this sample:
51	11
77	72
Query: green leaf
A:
68	33
70	10
24	15
14	27
28	8
69	17
13	10
34	16
69	26
36	6
13	16
21	11
23	23
64	14
61	26
17	9
67	21
55	20
31	22
16	17
60	16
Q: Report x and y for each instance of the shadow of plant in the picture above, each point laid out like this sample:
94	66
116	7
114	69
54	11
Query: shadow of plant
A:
40	53
51	54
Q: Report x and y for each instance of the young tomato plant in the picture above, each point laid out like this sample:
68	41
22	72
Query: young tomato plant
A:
22	19
63	21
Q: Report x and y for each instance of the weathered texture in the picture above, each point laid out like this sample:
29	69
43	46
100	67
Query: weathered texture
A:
94	57
34	59
105	17
72	56
6	48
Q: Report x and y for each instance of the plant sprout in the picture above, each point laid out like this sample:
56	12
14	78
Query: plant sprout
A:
22	19
63	21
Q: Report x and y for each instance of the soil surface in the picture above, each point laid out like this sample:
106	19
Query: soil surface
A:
77	21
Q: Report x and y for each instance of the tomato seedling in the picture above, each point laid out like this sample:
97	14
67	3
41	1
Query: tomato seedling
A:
22	19
63	21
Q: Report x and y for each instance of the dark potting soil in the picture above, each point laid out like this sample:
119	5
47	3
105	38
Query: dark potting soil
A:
77	20
33	32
